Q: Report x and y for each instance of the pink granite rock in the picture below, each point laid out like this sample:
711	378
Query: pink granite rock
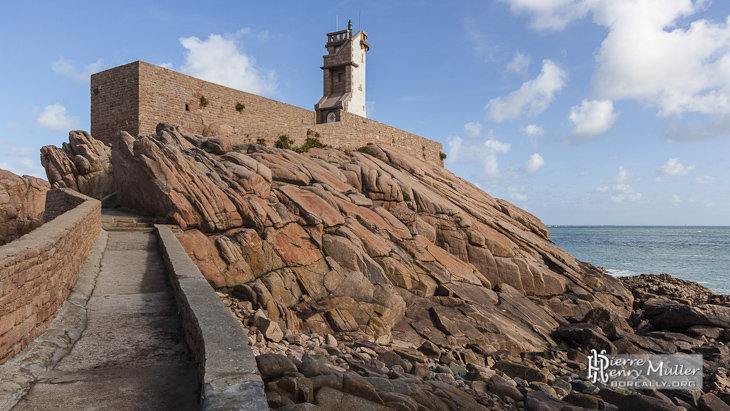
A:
369	243
84	164
22	203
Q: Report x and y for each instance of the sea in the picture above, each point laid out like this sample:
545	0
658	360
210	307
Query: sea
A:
695	253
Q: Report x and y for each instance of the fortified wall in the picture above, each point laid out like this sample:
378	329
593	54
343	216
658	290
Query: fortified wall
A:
136	97
38	270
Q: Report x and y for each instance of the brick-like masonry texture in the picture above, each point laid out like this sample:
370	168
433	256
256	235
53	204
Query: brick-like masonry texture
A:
38	270
137	96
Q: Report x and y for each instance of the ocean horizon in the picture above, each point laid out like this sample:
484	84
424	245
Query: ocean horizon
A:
696	253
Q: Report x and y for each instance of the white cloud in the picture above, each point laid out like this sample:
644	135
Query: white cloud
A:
166	65
10	125
518	196
370	108
263	35
602	189
532	130
484	153
532	98
676	199
623	189
54	118
219	60
517	193
519	63
68	68
473	129
674	168
454	143
535	163
624	176
648	58
18	152
25	165
654	52
706	181
590	119
552	14
488	153
691	130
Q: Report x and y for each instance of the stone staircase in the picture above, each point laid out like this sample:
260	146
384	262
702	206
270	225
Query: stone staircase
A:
117	219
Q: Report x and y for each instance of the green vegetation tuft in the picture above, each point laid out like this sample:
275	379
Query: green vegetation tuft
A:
310	142
261	142
240	106
203	101
284	142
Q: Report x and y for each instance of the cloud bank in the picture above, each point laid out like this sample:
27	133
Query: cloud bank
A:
639	57
218	60
54	118
533	97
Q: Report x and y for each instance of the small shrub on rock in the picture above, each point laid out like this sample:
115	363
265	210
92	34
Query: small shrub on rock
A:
284	142
311	142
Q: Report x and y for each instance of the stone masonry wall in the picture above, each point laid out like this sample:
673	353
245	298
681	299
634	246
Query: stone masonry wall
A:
227	367
114	96
38	270
353	132
60	201
164	95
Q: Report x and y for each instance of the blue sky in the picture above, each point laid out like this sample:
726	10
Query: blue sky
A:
578	111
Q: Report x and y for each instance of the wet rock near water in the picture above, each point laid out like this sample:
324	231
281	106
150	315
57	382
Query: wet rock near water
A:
664	285
306	371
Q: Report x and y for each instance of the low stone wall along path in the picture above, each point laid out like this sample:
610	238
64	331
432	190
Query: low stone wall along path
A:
132	355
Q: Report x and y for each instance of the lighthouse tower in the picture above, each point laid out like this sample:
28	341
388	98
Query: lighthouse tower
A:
344	76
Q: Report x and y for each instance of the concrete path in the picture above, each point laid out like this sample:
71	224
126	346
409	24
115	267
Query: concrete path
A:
132	355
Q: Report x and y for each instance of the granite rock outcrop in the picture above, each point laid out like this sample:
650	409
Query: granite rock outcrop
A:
370	243
22	203
370	278
83	164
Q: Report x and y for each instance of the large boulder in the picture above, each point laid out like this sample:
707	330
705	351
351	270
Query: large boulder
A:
22	203
83	164
664	313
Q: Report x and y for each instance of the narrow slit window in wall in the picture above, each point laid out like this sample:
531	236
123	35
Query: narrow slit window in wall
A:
187	107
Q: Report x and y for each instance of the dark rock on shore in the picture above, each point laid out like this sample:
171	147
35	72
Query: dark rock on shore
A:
663	313
664	285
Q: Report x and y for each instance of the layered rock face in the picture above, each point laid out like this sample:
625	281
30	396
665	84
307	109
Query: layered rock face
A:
370	243
22	203
83	164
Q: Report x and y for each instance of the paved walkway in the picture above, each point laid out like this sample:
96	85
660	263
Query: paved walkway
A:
132	355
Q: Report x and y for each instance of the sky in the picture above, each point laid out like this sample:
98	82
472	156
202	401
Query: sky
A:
590	112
